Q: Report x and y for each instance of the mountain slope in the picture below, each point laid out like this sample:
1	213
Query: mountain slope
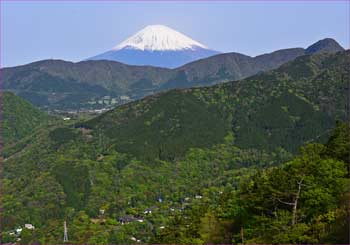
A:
157	45
279	109
163	126
67	85
80	82
19	118
230	66
327	45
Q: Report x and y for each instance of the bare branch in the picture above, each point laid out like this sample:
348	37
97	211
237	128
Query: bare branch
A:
288	203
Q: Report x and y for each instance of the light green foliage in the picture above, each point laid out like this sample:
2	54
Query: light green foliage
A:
20	118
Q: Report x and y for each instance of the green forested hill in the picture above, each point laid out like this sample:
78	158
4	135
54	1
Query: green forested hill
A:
218	164
284	108
19	118
301	201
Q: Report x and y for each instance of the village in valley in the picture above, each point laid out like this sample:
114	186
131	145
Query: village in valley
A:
92	107
150	217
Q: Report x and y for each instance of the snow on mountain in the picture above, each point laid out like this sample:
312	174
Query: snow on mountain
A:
157	45
160	38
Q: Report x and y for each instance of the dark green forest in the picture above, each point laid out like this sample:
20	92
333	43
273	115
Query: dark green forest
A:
259	160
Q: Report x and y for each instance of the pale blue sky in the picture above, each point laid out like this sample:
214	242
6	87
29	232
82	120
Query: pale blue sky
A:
32	31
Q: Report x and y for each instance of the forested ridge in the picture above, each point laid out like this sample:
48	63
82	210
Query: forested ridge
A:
261	160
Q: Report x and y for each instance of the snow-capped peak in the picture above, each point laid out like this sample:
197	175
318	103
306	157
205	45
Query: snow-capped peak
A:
159	38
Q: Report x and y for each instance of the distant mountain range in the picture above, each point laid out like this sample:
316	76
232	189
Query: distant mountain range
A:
157	45
66	85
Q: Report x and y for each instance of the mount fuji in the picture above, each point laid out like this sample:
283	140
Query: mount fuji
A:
157	45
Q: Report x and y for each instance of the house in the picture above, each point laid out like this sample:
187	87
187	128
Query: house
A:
198	197
18	230
66	118
98	111
29	226
124	97
150	210
127	219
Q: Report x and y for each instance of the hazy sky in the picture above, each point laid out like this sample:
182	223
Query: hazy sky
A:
73	31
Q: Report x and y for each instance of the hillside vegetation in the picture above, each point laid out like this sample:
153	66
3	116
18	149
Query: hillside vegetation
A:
259	160
19	118
284	108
